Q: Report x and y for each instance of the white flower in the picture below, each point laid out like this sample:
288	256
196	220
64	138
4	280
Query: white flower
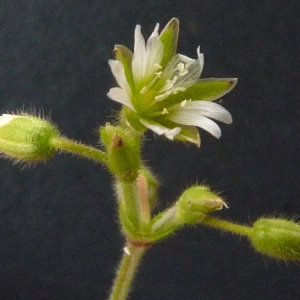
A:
161	90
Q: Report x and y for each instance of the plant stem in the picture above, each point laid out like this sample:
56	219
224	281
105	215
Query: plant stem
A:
127	269
227	226
64	144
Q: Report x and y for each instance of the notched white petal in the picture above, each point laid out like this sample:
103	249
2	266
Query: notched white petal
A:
180	73
146	57
205	108
200	58
139	53
195	120
119	95
155	32
119	73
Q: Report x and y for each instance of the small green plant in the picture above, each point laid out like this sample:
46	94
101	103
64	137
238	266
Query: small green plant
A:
159	90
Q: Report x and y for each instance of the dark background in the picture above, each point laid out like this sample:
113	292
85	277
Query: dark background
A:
59	238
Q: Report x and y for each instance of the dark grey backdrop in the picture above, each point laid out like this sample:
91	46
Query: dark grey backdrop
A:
59	238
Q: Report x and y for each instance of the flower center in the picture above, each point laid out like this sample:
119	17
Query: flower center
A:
172	85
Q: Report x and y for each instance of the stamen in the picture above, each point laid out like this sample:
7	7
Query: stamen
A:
157	66
165	111
158	74
144	90
177	89
170	83
160	97
181	67
183	103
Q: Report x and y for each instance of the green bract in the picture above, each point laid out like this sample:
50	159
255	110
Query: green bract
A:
161	90
195	203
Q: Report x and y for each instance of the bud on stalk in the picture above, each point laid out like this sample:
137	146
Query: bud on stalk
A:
26	138
277	238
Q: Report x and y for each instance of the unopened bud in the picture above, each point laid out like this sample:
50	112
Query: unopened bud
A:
123	151
195	203
277	238
26	138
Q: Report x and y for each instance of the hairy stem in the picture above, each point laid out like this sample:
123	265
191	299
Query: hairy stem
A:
64	144
126	271
227	226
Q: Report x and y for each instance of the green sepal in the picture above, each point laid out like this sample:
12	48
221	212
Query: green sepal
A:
277	238
131	217
152	186
123	151
189	134
128	208
26	138
124	55
132	120
195	203
169	38
208	89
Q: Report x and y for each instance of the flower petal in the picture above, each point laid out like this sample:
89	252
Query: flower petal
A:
193	118
161	130
138	59
119	95
118	71
124	55
205	108
154	53
146	57
180	73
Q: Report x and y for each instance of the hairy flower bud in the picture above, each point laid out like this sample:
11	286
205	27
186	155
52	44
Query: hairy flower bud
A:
123	150
195	203
26	138
277	238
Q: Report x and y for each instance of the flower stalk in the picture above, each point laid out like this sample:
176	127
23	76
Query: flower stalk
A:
63	144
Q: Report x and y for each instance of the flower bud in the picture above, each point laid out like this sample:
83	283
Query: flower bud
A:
195	203
26	138
277	238
123	151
